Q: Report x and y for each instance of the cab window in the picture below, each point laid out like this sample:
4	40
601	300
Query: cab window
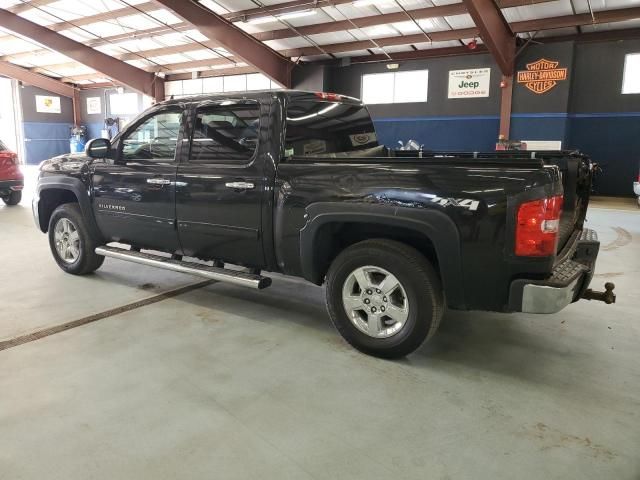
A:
225	133
155	139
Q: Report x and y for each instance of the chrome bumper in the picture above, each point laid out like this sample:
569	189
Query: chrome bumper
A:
567	283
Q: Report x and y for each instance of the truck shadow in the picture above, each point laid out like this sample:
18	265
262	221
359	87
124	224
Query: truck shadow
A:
467	344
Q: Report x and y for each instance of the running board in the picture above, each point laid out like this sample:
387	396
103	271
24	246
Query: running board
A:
244	279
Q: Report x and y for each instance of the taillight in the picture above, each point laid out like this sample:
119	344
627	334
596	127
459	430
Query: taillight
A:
537	225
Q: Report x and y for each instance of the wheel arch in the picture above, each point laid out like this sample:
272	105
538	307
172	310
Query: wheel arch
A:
332	227
55	191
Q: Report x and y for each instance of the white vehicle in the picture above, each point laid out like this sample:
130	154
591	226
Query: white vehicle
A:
636	188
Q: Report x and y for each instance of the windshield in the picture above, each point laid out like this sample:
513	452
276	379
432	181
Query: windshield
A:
317	128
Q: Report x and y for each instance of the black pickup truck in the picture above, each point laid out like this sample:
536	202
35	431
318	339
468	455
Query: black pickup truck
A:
296	182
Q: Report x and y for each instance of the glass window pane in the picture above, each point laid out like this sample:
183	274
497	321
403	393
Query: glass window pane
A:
212	85
257	81
235	83
377	88
123	103
323	128
631	79
173	88
155	139
192	87
411	86
225	134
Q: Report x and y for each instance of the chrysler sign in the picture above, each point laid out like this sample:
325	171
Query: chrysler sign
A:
471	83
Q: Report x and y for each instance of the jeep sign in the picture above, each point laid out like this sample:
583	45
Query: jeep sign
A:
469	83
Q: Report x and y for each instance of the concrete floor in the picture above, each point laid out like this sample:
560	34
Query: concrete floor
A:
224	382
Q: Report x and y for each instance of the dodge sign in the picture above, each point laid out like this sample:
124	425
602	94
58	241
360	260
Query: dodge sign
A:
469	83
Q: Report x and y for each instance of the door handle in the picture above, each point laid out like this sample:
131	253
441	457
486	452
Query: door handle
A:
240	185
158	181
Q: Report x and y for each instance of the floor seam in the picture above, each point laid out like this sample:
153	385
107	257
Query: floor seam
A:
47	332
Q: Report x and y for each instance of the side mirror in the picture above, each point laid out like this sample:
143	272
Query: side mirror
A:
98	148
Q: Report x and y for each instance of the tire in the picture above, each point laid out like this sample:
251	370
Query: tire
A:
13	198
81	259
419	291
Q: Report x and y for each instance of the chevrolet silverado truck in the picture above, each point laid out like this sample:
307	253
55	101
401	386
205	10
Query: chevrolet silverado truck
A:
296	183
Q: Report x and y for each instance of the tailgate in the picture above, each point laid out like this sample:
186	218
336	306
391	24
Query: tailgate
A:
576	171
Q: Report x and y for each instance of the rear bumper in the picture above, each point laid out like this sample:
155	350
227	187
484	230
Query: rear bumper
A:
8	186
567	283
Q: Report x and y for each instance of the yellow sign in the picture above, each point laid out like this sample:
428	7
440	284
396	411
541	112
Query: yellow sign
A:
542	76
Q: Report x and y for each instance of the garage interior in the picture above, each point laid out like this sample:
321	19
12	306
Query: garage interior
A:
136	372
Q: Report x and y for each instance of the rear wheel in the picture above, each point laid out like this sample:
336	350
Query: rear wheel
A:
13	198
72	243
384	297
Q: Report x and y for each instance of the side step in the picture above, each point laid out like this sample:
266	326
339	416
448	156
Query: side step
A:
243	279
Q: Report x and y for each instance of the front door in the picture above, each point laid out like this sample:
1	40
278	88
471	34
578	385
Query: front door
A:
134	196
221	185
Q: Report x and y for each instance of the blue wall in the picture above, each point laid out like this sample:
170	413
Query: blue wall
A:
45	140
45	134
612	140
440	133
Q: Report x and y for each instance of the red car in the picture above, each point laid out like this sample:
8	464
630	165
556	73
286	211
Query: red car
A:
11	178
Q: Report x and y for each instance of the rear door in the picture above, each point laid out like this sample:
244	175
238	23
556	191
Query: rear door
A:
221	184
134	196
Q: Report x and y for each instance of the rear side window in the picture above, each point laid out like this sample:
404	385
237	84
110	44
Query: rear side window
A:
317	128
3	146
225	133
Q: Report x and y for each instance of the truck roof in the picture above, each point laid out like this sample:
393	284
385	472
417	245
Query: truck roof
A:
257	94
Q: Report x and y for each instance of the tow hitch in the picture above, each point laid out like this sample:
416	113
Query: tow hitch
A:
607	296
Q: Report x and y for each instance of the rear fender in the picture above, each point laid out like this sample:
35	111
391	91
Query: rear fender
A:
435	225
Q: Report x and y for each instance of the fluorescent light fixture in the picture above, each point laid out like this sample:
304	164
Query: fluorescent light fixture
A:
283	16
368	3
301	13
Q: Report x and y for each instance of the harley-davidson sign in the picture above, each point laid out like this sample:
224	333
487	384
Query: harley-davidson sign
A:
542	76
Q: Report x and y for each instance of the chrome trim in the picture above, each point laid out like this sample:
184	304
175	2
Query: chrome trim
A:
240	185
242	279
158	181
545	299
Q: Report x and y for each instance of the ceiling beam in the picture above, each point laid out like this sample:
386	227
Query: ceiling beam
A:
602	16
281	9
122	72
328	27
419	54
233	39
605	16
604	36
99	17
495	32
41	81
218	72
384	19
397	40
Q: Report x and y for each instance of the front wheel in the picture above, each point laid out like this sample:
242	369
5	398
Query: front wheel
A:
71	241
13	198
384	297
